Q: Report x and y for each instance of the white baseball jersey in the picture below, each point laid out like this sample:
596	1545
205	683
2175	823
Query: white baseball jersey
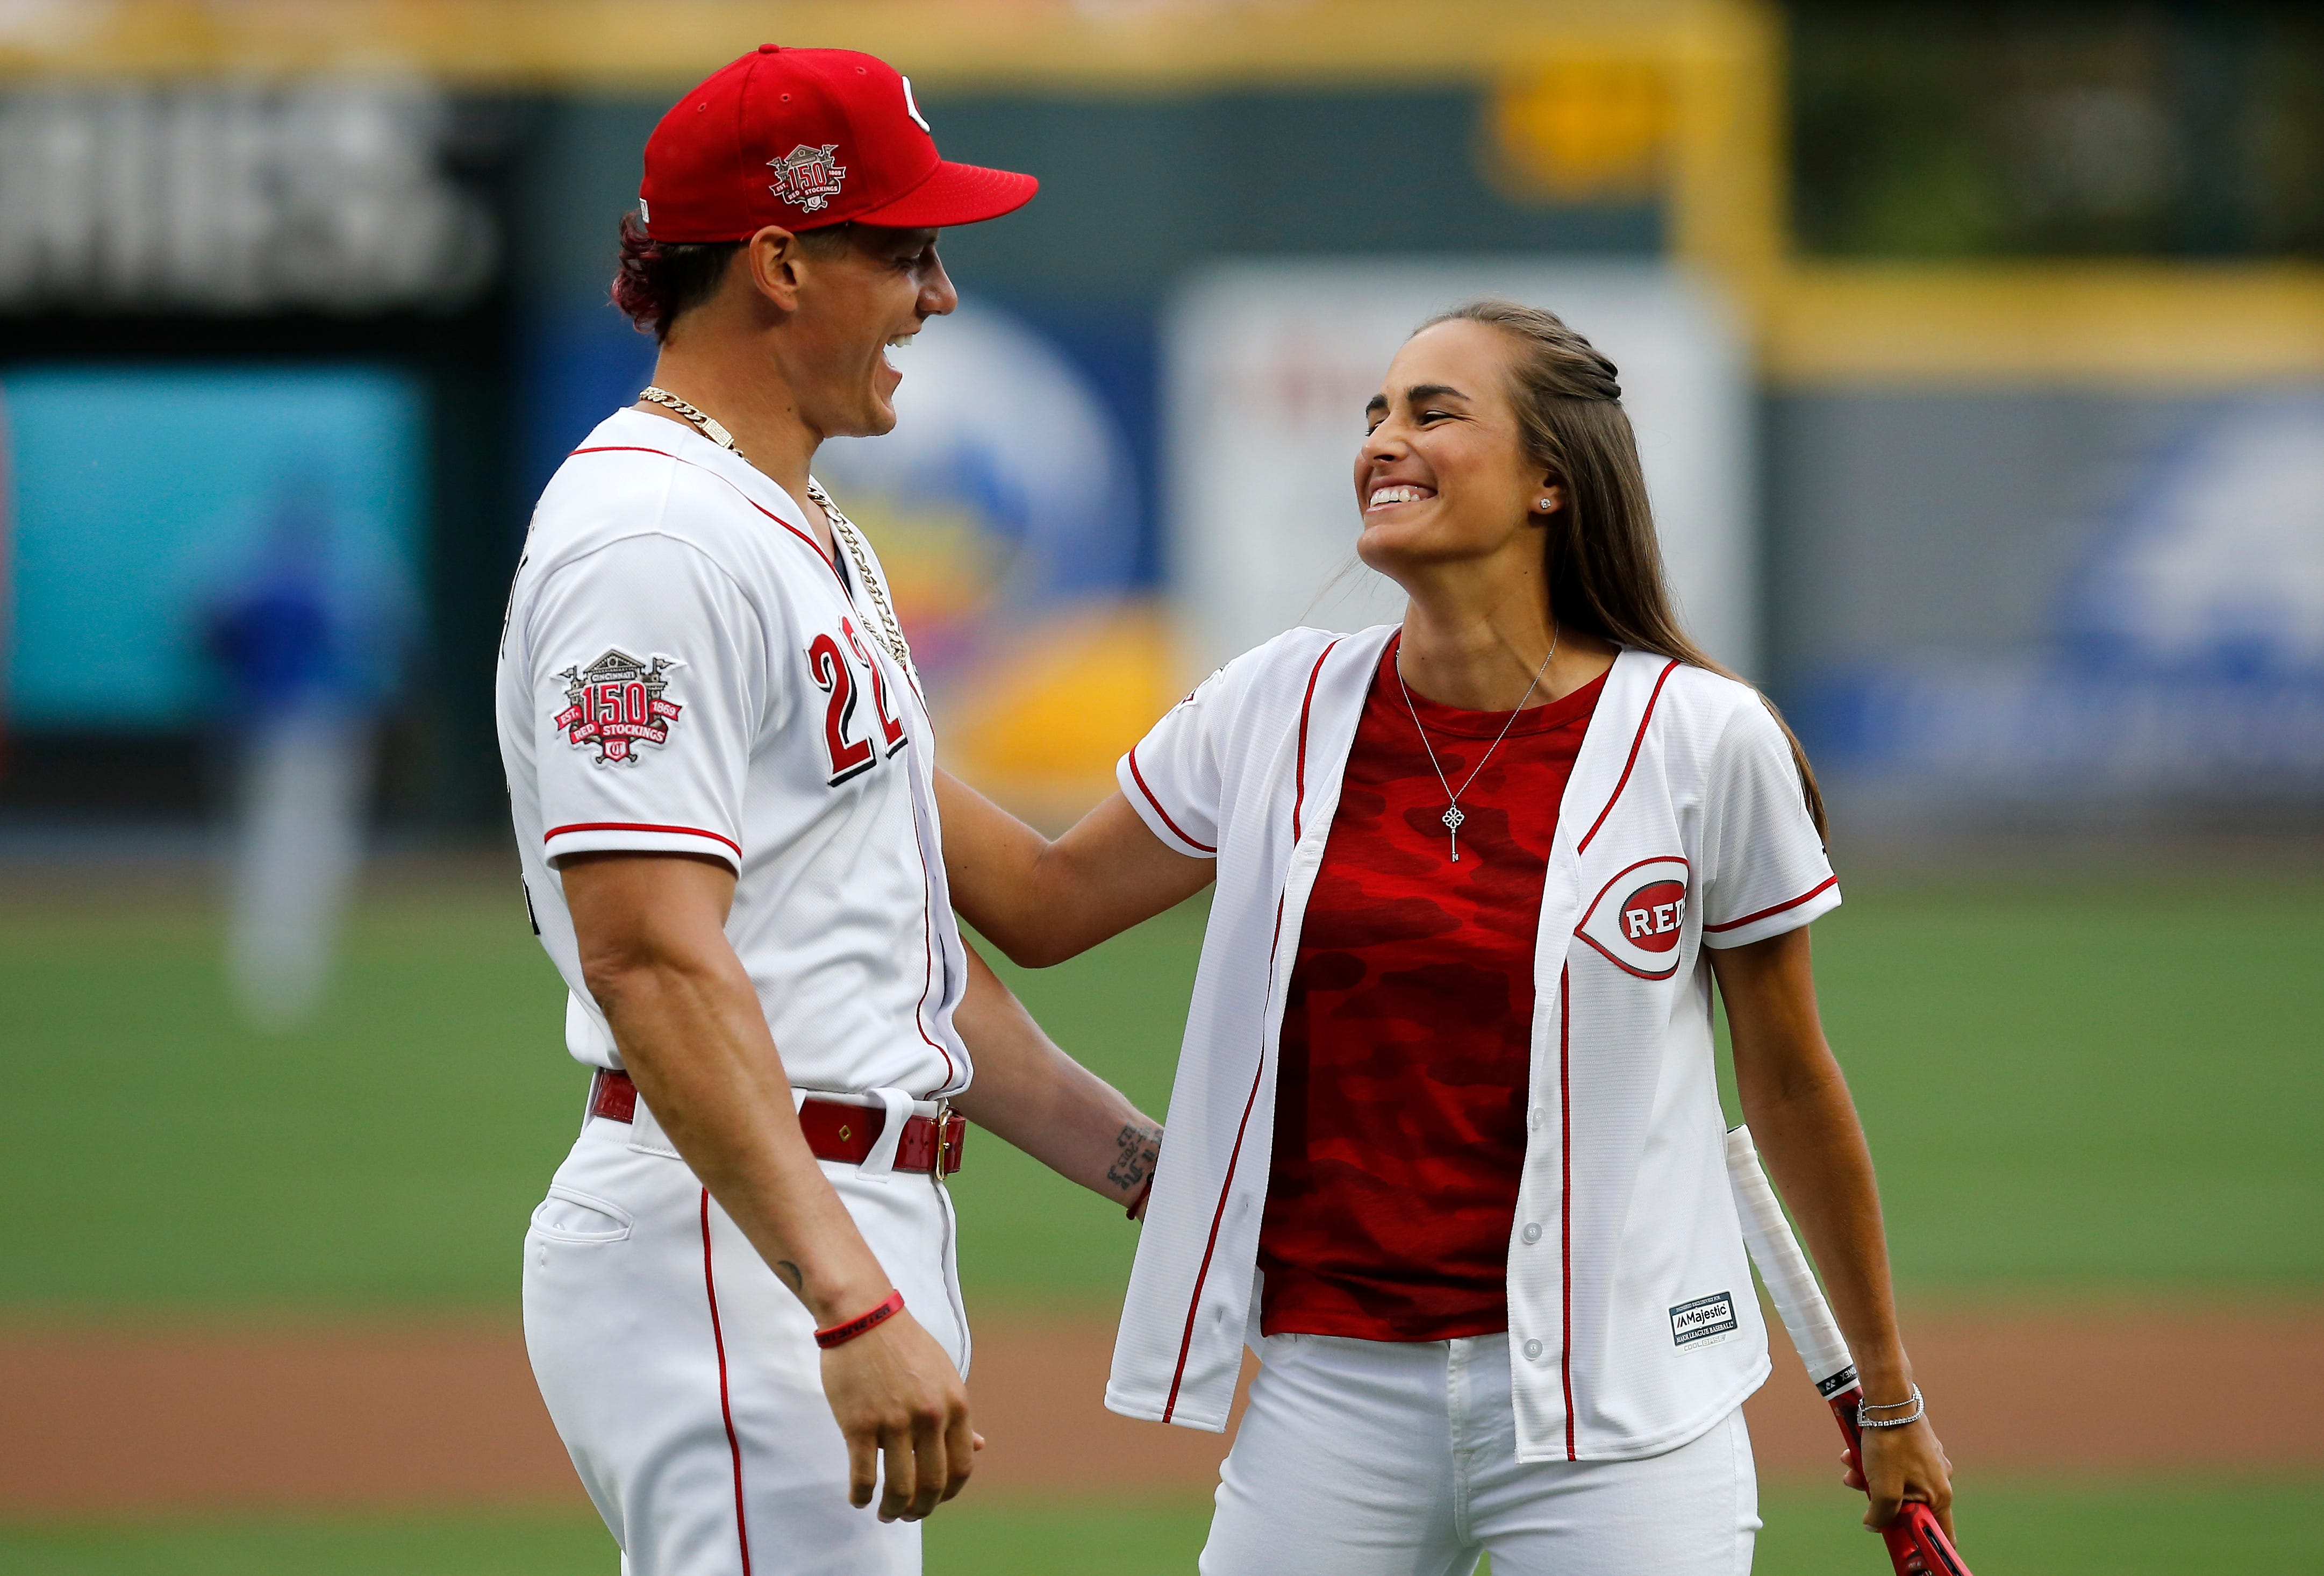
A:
684	669
1633	1326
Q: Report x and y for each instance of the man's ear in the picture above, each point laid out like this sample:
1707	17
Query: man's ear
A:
775	261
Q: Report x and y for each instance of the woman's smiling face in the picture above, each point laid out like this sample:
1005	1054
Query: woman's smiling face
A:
1443	475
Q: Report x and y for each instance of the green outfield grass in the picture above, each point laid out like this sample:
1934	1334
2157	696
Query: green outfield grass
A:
2112	1083
2066	1085
165	1154
2128	1530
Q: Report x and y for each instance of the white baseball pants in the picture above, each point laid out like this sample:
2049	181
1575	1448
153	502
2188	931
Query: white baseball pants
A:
1369	1458
684	1376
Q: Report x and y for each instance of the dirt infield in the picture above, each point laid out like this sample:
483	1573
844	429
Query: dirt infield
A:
132	1420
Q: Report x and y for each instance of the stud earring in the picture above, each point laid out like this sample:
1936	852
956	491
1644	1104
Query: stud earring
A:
1541	504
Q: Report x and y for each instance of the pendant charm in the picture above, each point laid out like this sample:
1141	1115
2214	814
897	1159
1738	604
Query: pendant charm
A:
1453	819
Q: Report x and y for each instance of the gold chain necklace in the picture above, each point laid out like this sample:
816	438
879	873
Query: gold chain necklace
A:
891	632
1452	815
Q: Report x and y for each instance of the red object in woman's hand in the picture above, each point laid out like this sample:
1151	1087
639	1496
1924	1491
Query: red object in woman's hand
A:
1917	1545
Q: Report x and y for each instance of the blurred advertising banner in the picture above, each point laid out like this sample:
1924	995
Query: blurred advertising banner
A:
1268	368
189	545
340	194
2051	603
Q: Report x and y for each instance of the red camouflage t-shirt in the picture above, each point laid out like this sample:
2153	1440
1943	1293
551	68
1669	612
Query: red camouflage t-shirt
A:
1399	1108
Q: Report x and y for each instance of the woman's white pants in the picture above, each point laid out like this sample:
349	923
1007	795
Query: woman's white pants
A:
1369	1458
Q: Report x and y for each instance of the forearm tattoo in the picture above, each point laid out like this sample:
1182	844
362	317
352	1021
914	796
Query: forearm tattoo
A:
790	1275
1140	1146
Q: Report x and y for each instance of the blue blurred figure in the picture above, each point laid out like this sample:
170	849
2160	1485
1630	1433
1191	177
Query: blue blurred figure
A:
309	660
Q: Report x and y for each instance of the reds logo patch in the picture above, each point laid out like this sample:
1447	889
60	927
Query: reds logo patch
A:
807	178
1638	917
617	705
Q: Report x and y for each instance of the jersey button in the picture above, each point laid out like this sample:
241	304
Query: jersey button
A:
1533	1232
1533	1351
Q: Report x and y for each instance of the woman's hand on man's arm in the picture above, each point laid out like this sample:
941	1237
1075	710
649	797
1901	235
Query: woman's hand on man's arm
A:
1042	902
1032	1094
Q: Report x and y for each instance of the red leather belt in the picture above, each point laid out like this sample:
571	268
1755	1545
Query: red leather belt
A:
834	1131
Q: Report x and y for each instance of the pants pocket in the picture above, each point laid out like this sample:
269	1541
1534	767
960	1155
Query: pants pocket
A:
571	1215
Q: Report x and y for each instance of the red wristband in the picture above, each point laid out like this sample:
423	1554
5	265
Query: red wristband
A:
841	1334
1140	1202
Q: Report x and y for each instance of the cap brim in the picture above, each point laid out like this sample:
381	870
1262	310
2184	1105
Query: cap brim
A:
955	194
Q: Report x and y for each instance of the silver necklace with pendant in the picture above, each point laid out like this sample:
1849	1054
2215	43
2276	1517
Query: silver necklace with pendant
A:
1453	817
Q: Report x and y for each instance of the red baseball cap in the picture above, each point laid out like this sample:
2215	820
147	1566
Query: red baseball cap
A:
805	139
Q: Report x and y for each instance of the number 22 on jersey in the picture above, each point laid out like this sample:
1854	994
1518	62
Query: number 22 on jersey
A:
835	676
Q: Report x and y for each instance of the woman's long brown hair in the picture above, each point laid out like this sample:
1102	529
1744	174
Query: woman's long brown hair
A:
1605	563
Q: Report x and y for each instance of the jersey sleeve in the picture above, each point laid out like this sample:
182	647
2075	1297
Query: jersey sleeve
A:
1171	777
1765	871
647	668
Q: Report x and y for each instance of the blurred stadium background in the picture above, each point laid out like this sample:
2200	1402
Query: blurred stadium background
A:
1978	353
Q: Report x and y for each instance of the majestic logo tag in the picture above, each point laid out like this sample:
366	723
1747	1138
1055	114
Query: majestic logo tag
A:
1706	1321
807	178
617	705
1638	916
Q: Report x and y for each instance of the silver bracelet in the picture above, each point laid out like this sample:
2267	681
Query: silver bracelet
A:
1920	1409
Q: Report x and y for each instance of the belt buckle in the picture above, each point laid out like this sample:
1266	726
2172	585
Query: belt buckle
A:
944	1138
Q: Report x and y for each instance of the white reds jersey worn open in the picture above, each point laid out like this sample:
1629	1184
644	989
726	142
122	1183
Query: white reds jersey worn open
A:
1633	1326
684	670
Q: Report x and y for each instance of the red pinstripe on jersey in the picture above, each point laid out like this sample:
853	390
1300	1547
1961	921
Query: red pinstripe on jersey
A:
1176	831
1234	1156
1565	1191
828	562
1640	738
1824	885
928	953
725	1405
554	833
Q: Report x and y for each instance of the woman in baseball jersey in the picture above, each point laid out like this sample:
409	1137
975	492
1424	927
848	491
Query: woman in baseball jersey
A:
1445	1145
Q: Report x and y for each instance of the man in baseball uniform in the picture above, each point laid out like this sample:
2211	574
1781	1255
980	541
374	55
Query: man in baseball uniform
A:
740	1295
